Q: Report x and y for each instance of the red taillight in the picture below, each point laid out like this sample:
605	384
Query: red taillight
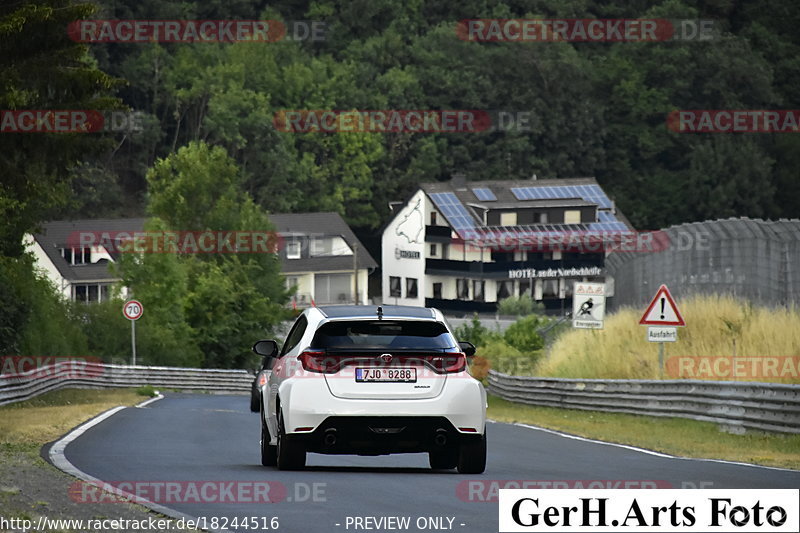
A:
262	379
448	362
316	361
320	362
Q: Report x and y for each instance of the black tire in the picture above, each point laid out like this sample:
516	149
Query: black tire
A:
291	454
443	460
472	456
255	402
269	453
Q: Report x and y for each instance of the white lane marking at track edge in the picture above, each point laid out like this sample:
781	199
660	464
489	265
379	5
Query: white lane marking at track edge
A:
60	461
145	403
641	450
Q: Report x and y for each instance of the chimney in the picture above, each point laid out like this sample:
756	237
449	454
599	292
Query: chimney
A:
459	181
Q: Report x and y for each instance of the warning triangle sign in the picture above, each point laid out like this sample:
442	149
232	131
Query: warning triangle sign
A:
662	311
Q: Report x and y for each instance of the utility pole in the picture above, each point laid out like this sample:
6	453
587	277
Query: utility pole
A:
355	271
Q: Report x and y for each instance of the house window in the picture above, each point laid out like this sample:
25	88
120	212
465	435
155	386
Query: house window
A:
76	256
411	287
462	289
433	218
540	218
80	293
82	256
433	250
477	290
91	292
504	289
572	216
291	283
437	291
568	288
293	250
508	219
550	288
317	246
333	288
395	290
525	287
321	246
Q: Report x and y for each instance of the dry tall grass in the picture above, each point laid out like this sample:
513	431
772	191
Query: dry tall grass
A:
724	339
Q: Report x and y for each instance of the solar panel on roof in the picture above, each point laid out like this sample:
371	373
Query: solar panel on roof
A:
608	226
589	193
453	210
484	194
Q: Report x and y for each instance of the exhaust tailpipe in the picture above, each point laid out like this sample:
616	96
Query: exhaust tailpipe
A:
330	437
441	437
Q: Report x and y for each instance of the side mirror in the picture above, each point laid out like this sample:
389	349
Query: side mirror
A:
467	347
267	348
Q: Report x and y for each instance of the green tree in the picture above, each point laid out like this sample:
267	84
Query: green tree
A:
41	68
214	304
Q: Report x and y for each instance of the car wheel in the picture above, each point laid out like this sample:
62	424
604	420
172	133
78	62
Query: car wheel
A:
269	453
291	454
444	459
472	456
255	401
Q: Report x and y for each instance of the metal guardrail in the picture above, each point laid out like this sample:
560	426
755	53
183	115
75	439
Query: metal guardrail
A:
78	374
736	406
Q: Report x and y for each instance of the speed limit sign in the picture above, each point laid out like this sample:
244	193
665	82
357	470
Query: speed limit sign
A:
132	310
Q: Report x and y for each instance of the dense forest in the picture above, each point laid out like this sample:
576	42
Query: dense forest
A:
597	109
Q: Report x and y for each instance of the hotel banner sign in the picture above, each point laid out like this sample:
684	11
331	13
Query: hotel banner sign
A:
522	273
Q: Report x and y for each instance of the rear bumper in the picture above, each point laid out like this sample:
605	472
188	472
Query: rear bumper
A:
308	406
369	435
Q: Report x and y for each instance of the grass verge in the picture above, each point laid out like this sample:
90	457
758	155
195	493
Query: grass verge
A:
30	487
47	417
674	436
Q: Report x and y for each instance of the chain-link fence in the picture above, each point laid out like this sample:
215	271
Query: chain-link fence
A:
755	260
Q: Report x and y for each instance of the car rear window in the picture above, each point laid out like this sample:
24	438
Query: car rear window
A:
381	334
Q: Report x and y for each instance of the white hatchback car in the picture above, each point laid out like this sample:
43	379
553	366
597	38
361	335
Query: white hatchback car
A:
372	380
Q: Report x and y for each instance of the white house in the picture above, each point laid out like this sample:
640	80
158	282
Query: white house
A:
317	257
79	272
447	245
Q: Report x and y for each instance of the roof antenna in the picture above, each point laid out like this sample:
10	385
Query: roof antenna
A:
380	313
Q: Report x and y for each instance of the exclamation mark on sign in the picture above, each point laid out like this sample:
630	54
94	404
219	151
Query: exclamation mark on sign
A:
662	308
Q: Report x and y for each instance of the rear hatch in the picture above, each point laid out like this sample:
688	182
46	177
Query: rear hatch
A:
384	359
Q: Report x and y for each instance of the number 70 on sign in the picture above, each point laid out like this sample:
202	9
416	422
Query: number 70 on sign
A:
132	310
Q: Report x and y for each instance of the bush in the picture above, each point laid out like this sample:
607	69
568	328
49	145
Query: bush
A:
522	334
107	331
35	319
519	306
505	358
146	390
475	332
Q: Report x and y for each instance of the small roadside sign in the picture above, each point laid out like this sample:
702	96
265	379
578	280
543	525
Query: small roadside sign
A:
133	310
588	305
662	334
662	310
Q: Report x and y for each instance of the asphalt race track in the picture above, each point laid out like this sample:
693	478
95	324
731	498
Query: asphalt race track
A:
200	438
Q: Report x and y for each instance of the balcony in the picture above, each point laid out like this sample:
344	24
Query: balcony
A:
450	267
437	234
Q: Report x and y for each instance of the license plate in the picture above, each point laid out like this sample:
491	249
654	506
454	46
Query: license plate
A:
383	375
